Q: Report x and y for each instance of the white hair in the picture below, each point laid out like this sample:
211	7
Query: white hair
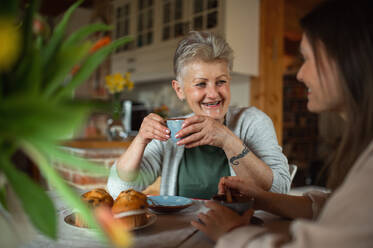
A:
204	46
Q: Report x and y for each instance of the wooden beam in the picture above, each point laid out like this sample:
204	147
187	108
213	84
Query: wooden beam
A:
294	11
267	89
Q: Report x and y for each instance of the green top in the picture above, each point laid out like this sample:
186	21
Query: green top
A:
200	171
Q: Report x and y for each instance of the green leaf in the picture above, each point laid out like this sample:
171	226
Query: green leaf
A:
33	78
83	32
2	85
58	34
3	197
27	27
19	73
25	60
90	65
36	203
55	180
66	59
8	7
24	116
57	154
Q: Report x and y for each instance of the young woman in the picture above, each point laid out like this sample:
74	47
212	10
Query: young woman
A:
337	47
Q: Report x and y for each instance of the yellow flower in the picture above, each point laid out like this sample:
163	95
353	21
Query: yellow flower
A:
116	83
129	83
120	87
118	78
10	40
127	75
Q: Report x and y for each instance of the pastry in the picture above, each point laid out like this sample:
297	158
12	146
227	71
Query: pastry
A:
98	197
130	207
94	198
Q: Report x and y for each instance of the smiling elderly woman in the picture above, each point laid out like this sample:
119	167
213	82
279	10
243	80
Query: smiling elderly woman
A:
216	140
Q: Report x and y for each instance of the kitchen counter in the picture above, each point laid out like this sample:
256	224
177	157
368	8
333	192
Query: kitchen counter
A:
97	143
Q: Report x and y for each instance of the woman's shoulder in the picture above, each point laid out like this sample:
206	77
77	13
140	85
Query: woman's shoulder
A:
365	160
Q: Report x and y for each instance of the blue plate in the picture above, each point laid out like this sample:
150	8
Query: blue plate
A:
167	203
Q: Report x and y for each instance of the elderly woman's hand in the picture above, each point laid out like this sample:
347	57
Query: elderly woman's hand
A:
220	220
153	127
202	130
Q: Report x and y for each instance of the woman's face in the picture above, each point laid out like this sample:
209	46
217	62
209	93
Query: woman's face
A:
324	93
206	88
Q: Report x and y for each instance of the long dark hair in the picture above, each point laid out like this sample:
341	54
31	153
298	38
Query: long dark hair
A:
344	29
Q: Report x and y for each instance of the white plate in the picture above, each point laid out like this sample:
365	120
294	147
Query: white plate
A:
152	218
69	219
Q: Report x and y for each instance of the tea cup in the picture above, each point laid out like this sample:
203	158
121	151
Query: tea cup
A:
174	124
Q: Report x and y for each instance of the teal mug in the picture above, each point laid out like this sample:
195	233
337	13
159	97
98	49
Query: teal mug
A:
174	124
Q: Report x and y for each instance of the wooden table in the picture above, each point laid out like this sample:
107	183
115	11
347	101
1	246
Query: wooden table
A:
169	230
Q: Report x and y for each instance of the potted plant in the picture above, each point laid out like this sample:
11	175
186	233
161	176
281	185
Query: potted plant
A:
37	110
116	84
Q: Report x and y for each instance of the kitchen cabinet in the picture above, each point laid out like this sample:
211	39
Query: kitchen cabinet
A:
157	26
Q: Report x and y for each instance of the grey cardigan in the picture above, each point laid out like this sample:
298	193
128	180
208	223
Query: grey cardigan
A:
251	125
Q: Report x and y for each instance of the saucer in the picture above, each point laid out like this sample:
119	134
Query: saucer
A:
168	204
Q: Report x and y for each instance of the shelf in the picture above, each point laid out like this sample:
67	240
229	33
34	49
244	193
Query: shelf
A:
97	143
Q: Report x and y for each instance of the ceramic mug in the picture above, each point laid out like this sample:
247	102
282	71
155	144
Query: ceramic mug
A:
174	124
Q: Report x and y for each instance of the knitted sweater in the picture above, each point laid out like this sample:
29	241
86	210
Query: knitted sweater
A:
251	125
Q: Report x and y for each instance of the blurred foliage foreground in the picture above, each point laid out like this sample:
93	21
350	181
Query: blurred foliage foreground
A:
36	107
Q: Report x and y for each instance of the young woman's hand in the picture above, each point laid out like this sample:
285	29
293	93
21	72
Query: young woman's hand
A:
153	127
245	187
202	130
220	220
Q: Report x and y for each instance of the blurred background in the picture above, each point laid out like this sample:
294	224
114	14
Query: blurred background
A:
265	37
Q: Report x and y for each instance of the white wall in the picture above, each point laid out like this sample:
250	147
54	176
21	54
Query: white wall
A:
241	27
147	64
240	90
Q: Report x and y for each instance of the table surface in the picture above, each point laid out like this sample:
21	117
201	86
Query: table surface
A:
169	230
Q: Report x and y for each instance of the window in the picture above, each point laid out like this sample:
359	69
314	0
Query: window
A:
173	24
145	23
175	18
123	24
205	14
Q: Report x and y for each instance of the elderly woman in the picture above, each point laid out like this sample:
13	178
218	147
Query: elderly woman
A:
216	140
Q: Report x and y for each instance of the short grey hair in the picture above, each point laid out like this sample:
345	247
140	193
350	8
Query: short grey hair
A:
204	46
